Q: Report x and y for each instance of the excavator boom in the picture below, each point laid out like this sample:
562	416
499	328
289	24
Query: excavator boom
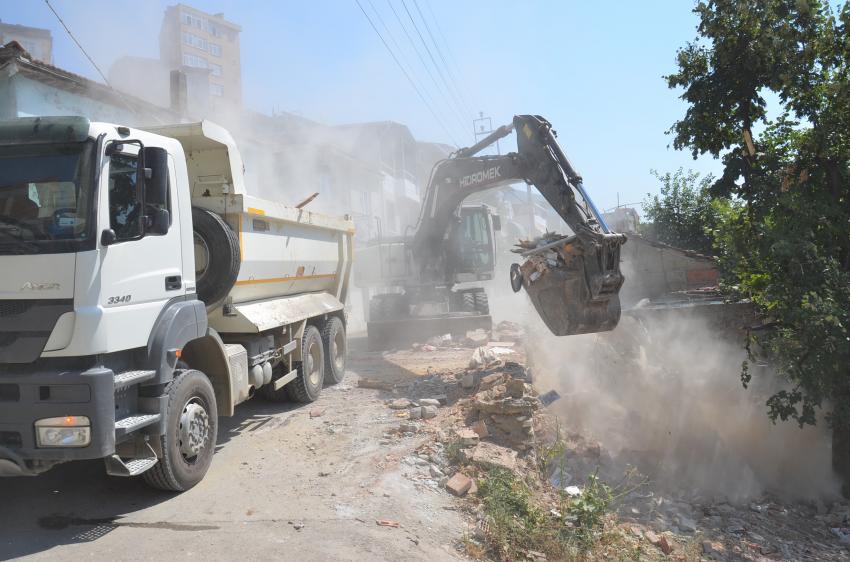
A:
573	281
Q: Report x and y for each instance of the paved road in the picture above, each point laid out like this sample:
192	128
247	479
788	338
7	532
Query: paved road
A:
267	480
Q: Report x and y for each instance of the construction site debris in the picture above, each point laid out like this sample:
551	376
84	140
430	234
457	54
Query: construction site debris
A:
482	357
492	455
459	484
467	437
400	404
429	412
388	523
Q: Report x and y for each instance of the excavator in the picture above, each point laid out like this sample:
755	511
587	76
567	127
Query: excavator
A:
572	279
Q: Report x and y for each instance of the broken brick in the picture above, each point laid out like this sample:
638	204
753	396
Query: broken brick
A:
459	484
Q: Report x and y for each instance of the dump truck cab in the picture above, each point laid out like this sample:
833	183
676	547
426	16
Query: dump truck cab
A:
141	297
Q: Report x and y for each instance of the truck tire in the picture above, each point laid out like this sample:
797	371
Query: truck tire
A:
307	385
191	430
468	301
336	347
217	256
481	303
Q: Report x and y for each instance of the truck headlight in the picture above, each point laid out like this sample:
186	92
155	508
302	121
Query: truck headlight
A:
67	431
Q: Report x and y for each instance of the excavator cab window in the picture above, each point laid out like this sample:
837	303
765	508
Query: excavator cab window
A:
474	241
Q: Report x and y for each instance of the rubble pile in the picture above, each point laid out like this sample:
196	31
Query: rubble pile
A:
546	252
506	410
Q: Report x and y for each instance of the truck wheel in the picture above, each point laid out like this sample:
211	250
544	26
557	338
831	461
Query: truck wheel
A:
217	256
311	369
191	430
333	336
481	303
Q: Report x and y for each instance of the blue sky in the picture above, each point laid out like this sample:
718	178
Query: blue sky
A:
593	69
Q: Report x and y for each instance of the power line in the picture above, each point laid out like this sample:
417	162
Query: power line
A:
91	60
427	68
455	81
400	51
433	60
451	55
74	39
409	79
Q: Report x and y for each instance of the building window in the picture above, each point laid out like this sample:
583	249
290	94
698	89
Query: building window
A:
194	41
215	69
215	49
195	61
217	90
193	21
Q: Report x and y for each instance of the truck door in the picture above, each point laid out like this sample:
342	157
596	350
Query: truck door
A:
140	271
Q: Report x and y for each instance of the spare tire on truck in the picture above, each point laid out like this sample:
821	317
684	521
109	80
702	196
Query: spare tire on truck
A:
217	256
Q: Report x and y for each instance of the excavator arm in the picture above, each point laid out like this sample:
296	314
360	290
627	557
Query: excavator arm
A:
573	281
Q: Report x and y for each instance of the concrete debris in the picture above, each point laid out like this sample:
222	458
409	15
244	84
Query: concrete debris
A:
459	484
515	388
414	413
317	412
388	523
467	437
435	471
492	455
429	402
482	357
400	404
490	381
429	412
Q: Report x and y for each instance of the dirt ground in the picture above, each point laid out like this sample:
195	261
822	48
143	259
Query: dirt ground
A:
311	482
283	486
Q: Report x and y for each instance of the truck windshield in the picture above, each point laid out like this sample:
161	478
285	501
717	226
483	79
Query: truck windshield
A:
46	198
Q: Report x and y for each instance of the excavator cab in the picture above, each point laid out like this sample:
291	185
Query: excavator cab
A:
472	245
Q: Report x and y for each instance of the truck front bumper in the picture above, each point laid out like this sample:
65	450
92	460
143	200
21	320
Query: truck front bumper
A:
31	395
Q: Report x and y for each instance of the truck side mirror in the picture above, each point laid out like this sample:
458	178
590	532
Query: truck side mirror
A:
156	184
159	221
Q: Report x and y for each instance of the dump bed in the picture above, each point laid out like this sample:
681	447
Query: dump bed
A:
295	265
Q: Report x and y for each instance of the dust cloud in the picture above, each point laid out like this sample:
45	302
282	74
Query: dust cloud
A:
664	395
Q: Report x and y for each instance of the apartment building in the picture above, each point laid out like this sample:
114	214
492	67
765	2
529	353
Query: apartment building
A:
194	40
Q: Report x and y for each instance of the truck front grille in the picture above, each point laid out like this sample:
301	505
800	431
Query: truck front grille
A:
15	307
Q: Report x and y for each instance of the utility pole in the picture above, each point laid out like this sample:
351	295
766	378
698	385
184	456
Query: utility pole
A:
482	127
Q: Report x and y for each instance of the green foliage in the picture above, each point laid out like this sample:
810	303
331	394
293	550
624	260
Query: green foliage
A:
517	522
783	234
682	214
589	509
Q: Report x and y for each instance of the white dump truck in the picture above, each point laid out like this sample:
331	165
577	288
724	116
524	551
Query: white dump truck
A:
144	293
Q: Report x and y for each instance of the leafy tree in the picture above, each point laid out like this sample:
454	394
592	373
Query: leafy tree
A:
682	214
767	83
